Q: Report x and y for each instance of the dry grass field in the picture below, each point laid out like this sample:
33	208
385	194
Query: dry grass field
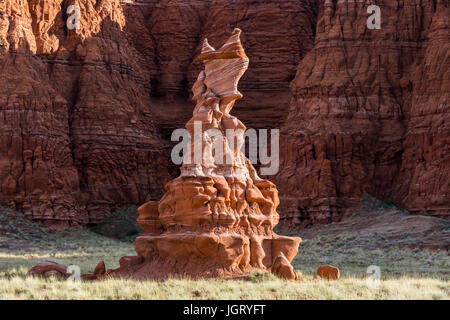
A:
409	270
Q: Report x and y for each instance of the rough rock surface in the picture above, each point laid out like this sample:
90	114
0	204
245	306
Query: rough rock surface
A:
276	35
77	138
86	115
283	268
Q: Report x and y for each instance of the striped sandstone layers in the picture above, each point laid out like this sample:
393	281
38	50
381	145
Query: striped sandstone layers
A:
369	113
77	137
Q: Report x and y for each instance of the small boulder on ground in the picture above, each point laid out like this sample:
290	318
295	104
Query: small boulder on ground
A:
328	272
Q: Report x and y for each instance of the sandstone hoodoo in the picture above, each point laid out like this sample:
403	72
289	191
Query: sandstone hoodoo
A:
217	218
328	272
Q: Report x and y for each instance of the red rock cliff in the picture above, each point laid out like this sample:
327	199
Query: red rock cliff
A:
369	113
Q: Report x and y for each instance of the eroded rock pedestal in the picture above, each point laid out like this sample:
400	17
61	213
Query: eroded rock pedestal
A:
217	218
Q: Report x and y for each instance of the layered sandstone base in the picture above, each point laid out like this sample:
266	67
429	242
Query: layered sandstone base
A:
204	255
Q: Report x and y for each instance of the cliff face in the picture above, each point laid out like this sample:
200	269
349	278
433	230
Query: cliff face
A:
86	114
77	135
369	113
277	35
